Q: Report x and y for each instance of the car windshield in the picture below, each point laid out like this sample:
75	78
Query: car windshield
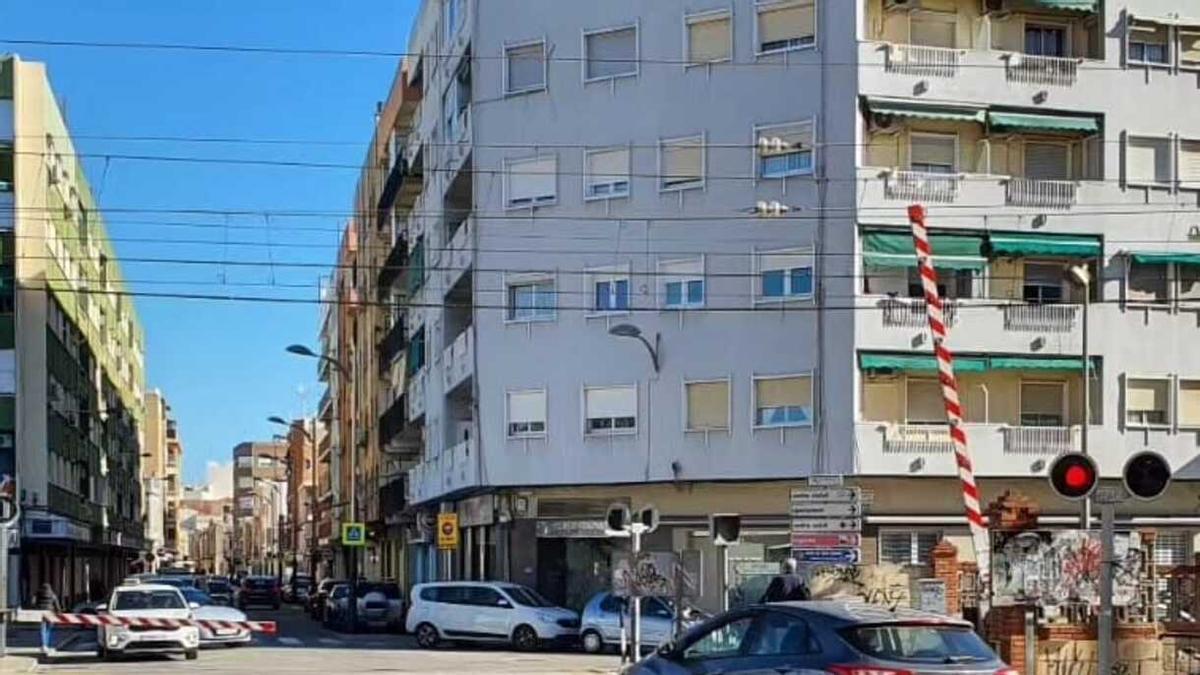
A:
261	583
159	599
218	587
197	596
177	582
919	643
527	597
389	591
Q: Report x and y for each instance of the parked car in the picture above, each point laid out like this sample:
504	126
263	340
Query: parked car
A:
316	600
147	601
380	607
296	587
605	615
844	638
487	611
203	607
220	590
257	590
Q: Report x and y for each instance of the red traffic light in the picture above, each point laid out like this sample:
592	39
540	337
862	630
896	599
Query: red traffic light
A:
1074	476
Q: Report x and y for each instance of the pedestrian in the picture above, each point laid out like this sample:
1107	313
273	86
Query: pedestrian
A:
787	585
47	601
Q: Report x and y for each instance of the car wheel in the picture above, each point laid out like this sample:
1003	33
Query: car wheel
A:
191	655
525	638
427	636
592	642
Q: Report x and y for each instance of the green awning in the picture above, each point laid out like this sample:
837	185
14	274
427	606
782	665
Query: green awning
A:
918	363
950	251
1164	258
1041	244
1030	363
926	111
1006	121
1071	5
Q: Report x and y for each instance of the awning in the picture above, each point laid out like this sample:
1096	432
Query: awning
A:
1007	121
950	251
1164	258
1070	5
1038	244
1030	363
926	111
918	363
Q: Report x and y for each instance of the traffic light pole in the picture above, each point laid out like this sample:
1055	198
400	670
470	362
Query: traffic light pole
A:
636	620
1104	624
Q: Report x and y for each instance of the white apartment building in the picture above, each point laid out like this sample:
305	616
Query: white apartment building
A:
574	167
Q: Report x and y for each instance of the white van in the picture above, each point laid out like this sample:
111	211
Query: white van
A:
486	611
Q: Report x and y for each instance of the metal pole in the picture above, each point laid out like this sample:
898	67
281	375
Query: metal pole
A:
1104	633
1030	640
1086	516
636	619
4	591
723	576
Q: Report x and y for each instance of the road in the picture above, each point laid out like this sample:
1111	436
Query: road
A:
303	646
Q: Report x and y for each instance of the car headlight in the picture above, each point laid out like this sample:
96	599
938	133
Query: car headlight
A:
546	618
114	639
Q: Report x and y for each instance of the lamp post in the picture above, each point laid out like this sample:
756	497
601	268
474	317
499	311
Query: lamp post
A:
628	330
1081	276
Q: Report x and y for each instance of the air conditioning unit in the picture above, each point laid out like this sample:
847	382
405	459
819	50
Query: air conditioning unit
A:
899	5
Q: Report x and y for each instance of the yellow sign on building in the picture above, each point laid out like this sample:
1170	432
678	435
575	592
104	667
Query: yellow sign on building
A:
354	534
447	531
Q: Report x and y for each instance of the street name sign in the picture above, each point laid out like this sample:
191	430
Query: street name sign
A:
831	540
826	525
830	556
833	494
825	510
826	480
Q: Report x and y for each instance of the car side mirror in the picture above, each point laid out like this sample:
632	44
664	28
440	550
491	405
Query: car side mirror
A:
101	608
194	605
667	650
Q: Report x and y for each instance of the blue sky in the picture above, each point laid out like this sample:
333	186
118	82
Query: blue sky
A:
221	365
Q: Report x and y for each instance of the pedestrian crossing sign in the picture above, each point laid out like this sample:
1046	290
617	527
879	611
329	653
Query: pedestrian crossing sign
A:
354	534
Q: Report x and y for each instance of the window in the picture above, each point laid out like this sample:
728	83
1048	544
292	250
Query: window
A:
907	548
525	67
783	401
1188	277
526	413
1189	403
1189	164
606	173
610	294
707	405
781	634
610	410
784	26
785	275
1045	40
245	461
934	29
531	182
415	359
245	482
1189	49
610	53
681	163
1147	160
456	102
785	150
1043	283
1043	404
952	283
1148	44
451	15
934	153
1146	401
1172	548
532	300
923	402
721	642
1147	282
682	283
709	37
1047	161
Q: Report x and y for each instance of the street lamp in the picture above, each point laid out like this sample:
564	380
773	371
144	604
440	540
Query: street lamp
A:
1080	275
628	330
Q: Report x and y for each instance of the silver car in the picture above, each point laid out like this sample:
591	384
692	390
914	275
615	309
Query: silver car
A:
380	607
845	638
605	615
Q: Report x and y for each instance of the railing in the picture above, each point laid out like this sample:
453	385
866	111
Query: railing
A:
1040	440
457	360
922	60
460	465
1053	194
394	265
911	312
1040	318
917	438
416	394
1051	70
393	421
392	344
921	186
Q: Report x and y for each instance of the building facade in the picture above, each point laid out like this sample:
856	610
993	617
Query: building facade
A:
162	462
260	477
72	400
753	231
300	530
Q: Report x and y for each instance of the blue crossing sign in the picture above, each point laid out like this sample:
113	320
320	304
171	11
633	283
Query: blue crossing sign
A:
354	534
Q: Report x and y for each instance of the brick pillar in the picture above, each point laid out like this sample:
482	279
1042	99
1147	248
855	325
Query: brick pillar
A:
945	569
1005	626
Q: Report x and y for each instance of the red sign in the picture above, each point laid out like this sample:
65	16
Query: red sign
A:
823	540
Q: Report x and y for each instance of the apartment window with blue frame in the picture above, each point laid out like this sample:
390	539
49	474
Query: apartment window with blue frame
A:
531	299
785	150
785	275
612	295
783	401
682	283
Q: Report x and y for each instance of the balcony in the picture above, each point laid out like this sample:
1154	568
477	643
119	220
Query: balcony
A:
1040	318
416	394
391	188
921	186
1052	71
394	266
912	313
1041	440
922	60
393	499
460	255
395	435
458	360
425	481
393	344
1036	193
461	466
924	450
917	438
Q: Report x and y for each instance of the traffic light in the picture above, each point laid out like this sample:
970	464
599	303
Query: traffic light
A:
617	521
1074	475
1146	475
725	529
647	517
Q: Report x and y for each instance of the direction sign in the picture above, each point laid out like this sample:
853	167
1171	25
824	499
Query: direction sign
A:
826	524
837	556
825	510
826	480
832	540
833	494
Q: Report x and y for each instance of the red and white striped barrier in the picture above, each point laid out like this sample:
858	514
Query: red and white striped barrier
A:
65	619
954	413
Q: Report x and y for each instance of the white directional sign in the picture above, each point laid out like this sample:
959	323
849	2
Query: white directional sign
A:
825	510
830	494
826	480
826	524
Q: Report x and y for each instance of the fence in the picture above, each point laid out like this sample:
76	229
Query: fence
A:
922	60
1048	194
1051	70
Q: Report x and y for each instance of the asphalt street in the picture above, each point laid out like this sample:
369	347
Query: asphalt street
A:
303	646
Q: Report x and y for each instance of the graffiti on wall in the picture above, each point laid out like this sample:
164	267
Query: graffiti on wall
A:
886	585
1062	567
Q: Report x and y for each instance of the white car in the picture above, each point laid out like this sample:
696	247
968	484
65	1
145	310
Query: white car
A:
209	610
148	601
486	611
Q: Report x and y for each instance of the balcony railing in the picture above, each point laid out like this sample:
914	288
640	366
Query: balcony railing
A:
1040	318
458	360
392	344
415	396
922	60
393	266
911	312
1041	440
1049	70
917	438
1049	194
921	186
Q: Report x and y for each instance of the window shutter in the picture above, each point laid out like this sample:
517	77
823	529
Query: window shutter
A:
532	180
1189	163
526	67
708	405
784	261
928	149
1148	160
895	547
612	53
1147	282
691	267
786	23
708	40
1045	161
612	402
783	391
1044	399
682	161
1171	548
608	166
1189	48
925	403
1189	403
934	29
1146	395
925	543
527	406
794	137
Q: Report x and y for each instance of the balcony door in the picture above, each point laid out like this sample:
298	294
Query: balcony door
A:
1043	283
1047	161
933	29
1043	40
923	403
1043	404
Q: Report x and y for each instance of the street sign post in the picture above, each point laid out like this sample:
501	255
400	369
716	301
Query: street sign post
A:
827	525
826	510
828	556
827	494
826	522
831	540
